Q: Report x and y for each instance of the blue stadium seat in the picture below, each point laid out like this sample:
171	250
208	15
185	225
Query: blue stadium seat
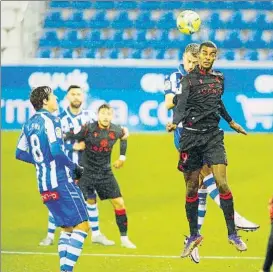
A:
136	54
66	53
60	4
53	19
122	21
167	21
90	53
114	54
49	39
99	21
214	20
236	21
43	53
160	54
233	40
118	36
144	21
171	5
229	55
251	55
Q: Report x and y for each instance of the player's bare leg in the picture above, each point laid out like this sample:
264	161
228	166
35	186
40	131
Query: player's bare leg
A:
122	221
192	184
226	202
97	236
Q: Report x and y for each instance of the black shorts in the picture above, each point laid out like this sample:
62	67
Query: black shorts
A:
198	148
105	185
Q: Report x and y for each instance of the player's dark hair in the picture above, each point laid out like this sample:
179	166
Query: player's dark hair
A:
38	95
207	44
73	87
104	106
193	48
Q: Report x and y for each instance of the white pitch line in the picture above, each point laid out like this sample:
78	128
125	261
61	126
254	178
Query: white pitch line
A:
132	255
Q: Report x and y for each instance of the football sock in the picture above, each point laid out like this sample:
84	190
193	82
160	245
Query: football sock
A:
122	222
192	213
226	201
74	249
62	247
93	214
212	189
202	207
51	226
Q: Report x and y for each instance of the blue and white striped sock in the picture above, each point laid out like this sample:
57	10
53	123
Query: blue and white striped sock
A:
62	247
202	207
51	226
74	249
212	189
93	214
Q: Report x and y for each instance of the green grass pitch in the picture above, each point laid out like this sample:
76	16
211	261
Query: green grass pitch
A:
154	195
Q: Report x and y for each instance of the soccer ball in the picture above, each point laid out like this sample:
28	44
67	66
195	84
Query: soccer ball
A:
188	22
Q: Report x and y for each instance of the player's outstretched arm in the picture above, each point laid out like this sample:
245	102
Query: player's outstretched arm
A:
79	136
22	149
225	115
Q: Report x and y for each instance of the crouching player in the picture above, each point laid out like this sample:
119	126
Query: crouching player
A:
99	138
41	144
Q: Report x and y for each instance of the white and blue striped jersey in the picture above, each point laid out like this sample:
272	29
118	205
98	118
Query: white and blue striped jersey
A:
41	143
172	83
73	123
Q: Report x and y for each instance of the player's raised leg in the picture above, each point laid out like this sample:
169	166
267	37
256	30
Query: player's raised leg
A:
226	202
122	221
209	183
51	228
93	213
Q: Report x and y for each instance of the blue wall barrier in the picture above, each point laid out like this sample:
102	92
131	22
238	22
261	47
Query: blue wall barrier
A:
136	93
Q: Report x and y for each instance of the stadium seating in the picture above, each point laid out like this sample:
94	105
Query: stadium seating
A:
147	29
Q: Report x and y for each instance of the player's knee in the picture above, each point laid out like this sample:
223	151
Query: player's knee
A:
83	226
223	188
192	189
118	203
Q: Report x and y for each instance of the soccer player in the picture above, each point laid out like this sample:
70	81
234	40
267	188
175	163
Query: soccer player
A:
198	106
99	138
172	89
71	120
269	254
41	144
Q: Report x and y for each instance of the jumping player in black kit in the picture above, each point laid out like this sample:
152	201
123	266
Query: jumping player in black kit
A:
199	107
99	138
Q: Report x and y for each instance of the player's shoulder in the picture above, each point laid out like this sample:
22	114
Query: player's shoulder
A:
62	114
217	74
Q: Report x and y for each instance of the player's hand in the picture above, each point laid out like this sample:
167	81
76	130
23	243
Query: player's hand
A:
237	127
77	172
118	164
79	146
125	133
270	207
170	127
